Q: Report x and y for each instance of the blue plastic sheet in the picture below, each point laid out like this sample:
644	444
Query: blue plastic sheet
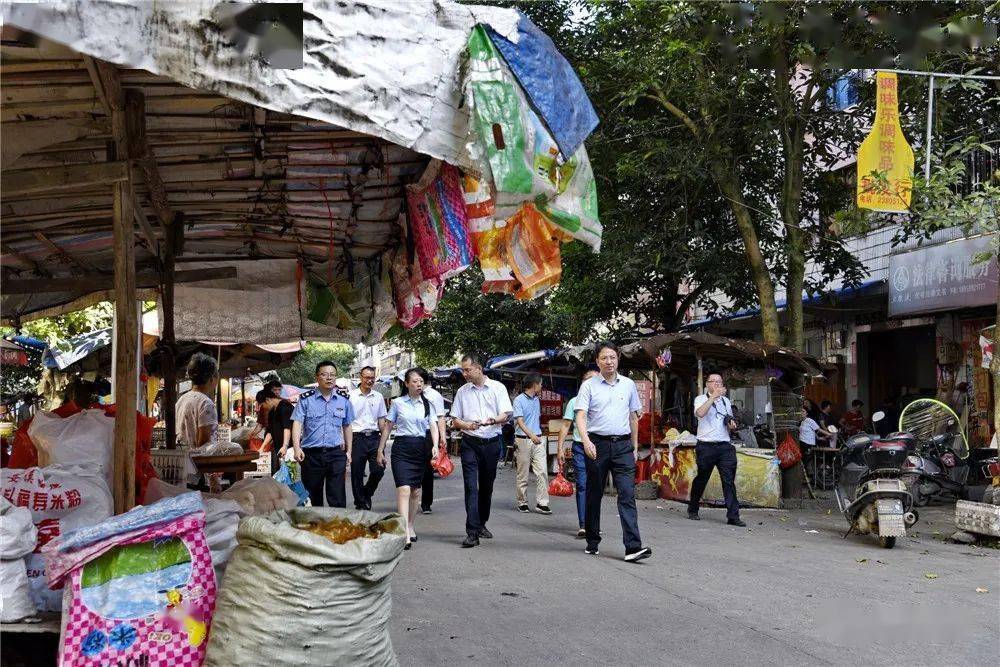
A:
550	83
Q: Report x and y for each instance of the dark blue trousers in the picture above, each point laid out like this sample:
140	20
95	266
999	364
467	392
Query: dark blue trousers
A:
616	458
480	457
325	466
721	455
364	452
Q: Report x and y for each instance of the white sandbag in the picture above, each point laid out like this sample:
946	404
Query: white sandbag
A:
15	592
84	439
61	498
333	600
17	531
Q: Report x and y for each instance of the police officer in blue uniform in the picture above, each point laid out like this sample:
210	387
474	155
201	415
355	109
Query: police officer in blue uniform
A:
321	438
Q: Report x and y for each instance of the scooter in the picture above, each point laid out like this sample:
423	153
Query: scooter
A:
933	470
870	493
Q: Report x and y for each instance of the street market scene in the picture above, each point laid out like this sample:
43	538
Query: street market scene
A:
441	332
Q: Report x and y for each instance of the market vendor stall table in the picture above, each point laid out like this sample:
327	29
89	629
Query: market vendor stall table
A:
758	477
232	466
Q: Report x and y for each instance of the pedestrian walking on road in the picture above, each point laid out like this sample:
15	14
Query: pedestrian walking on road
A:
715	448
480	408
412	417
607	417
369	417
532	453
579	458
322	438
437	402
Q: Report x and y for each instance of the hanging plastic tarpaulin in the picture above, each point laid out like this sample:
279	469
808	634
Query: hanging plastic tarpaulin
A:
533	253
489	237
416	298
885	159
436	211
550	83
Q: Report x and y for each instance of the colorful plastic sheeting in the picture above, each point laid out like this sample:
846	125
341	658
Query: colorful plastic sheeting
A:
533	253
436	211
415	297
488	237
550	83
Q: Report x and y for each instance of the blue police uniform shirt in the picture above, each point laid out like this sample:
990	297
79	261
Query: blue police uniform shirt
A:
530	410
408	416
323	419
608	404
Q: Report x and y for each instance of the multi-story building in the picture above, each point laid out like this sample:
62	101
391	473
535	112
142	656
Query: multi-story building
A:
387	358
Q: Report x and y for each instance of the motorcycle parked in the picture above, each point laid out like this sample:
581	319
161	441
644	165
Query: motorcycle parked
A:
869	491
933	470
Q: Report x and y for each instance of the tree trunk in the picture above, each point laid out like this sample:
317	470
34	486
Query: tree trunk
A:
729	183
995	368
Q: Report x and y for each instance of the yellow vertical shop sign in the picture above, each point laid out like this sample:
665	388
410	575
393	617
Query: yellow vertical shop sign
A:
885	160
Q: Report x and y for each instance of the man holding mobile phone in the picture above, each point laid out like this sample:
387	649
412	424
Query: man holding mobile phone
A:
715	448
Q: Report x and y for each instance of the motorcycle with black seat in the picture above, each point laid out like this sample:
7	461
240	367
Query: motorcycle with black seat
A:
870	493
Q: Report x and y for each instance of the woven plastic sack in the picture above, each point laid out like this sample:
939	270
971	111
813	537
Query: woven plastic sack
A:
559	485
142	587
17	540
442	464
488	237
415	297
435	207
81	439
313	602
788	452
533	253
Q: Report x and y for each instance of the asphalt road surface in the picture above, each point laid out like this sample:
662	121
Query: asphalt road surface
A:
786	590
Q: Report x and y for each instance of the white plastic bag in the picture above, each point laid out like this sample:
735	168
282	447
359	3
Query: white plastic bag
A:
15	592
17	531
84	439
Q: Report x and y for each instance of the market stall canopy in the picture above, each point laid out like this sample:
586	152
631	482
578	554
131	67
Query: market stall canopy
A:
306	165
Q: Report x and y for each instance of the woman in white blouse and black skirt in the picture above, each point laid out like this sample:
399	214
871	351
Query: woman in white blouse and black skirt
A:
411	416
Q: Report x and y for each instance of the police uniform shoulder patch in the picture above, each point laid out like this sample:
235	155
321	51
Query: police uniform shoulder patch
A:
343	393
307	394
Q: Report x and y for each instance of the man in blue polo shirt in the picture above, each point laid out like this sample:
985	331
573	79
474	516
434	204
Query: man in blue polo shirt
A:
532	453
321	438
607	418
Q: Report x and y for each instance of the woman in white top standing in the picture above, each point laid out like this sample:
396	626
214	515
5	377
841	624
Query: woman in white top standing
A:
808	428
197	420
411	416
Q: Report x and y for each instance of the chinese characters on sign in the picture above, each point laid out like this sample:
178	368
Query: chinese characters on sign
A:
551	406
885	160
942	277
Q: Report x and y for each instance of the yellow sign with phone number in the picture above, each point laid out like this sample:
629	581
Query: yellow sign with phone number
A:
885	160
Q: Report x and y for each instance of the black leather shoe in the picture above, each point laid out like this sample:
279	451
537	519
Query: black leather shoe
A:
368	504
694	516
470	542
736	522
485	532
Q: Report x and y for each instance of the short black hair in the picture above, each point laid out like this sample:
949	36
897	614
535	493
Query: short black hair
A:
368	368
412	371
472	359
606	345
325	362
825	404
273	383
857	403
201	368
424	374
531	379
263	395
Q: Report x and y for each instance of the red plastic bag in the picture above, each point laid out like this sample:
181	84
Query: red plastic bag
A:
788	452
442	463
559	485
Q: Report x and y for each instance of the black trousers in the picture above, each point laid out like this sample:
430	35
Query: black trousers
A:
325	466
479	470
427	484
364	452
617	458
721	455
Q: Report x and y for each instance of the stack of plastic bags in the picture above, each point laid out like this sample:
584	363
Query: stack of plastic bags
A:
17	540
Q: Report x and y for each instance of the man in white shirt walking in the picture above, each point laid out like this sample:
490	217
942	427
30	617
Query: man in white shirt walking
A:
715	449
480	408
369	417
436	400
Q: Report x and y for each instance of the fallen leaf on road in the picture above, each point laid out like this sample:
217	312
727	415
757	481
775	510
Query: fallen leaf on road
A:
982	590
782	518
880	562
659	507
812	531
930	575
861	560
828	512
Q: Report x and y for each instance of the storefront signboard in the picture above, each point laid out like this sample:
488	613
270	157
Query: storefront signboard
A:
942	277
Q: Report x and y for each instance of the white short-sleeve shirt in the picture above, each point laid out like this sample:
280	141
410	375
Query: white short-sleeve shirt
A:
436	400
807	431
712	427
608	404
368	409
474	403
194	410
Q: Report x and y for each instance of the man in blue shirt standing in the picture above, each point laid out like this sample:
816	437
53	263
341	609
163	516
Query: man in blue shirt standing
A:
607	418
531	449
321	438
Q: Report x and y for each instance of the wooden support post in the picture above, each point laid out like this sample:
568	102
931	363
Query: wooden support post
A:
126	362
175	232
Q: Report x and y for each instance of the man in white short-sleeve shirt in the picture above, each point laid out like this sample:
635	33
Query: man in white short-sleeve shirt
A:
369	416
607	419
715	448
480	408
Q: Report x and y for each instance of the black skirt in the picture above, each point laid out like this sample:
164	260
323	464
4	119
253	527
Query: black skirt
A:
408	459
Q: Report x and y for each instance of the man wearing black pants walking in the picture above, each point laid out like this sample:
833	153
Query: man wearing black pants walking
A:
607	417
480	407
715	449
369	416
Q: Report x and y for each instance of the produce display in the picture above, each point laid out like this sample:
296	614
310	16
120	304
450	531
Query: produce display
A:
340	530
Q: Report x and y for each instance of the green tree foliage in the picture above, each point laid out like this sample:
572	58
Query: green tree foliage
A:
302	371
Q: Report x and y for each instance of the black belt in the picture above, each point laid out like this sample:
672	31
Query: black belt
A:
476	437
609	438
368	433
